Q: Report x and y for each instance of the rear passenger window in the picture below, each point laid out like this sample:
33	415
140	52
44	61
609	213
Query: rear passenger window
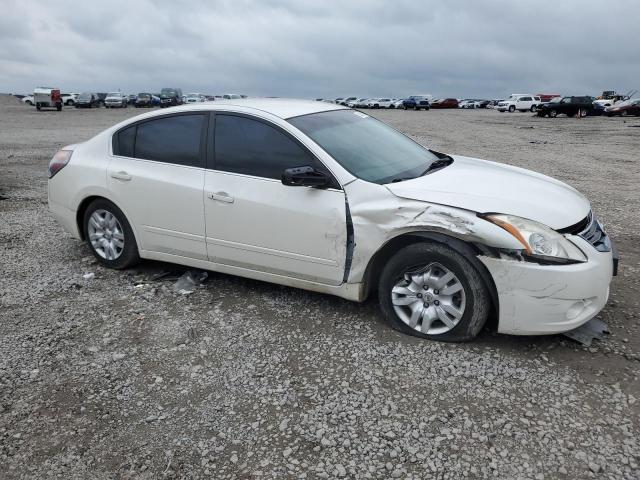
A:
125	142
254	148
174	139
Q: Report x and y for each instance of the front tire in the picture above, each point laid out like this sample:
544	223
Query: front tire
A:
109	235
431	291
553	113
512	109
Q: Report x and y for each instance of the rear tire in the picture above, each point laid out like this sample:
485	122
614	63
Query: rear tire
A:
453	310
533	108
104	239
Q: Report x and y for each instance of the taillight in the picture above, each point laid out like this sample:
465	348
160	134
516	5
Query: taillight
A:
59	161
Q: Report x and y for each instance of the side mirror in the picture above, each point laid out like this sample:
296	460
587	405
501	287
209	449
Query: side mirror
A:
304	177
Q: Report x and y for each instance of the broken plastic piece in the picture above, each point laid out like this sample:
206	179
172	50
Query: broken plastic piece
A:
188	282
585	334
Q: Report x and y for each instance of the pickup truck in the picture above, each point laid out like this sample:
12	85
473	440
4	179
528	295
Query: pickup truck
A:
570	106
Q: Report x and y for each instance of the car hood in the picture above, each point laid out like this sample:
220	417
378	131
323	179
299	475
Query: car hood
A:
488	187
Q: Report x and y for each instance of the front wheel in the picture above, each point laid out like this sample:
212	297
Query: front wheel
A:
512	109
553	113
109	235
429	290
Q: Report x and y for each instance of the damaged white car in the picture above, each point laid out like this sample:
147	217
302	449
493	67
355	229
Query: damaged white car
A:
329	199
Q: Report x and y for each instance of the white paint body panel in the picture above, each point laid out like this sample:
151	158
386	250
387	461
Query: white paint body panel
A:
544	299
489	187
259	223
297	236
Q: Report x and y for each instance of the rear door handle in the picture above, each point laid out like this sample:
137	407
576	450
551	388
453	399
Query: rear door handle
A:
221	197
124	176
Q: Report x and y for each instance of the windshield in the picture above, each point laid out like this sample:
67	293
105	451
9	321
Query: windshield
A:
113	94
168	92
366	147
84	96
144	96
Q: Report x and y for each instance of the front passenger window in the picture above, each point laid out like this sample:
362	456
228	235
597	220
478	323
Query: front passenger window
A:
251	147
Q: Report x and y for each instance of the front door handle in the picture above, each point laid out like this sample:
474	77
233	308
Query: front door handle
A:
221	197
121	175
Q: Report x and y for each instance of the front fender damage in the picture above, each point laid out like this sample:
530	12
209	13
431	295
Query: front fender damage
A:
378	216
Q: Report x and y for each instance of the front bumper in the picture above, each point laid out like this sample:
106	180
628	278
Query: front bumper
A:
539	299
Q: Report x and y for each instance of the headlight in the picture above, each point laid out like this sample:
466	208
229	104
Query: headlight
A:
539	241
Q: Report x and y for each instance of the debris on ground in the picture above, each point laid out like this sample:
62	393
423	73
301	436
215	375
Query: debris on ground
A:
585	334
188	282
88	276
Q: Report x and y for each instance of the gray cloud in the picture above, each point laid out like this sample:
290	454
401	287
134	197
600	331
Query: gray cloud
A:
321	48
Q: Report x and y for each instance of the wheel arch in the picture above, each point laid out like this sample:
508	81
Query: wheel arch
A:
82	208
469	250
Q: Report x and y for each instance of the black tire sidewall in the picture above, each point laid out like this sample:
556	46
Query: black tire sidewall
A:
477	299
130	255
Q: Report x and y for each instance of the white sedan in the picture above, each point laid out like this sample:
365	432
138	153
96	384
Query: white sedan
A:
325	198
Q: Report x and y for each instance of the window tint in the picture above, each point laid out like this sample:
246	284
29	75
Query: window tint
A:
252	147
173	139
125	142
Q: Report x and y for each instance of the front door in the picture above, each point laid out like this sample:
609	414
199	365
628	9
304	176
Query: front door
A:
255	222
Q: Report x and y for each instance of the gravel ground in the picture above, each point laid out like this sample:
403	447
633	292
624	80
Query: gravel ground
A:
117	376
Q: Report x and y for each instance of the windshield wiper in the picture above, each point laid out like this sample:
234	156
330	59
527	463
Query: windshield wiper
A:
438	164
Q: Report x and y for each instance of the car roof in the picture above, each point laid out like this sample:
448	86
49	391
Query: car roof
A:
280	107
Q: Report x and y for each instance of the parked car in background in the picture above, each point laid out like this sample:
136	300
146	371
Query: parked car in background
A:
69	99
520	102
45	97
170	97
547	97
379	103
27	99
417	102
232	96
494	103
363	103
345	101
354	207
144	99
467	103
131	99
193	98
355	103
624	108
88	100
116	100
445	103
569	106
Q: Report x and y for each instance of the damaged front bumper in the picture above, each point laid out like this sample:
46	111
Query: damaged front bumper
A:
537	299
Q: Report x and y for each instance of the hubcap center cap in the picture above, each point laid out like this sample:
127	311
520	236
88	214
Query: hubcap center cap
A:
428	297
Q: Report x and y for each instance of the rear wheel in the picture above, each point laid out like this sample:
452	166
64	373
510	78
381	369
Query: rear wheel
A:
534	108
431	291
109	235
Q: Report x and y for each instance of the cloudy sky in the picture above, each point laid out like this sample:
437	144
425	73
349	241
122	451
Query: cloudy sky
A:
322	48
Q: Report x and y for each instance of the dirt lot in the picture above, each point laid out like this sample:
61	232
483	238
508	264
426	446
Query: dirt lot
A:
116	376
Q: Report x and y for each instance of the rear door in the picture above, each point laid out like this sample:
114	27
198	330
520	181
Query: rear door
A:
156	177
255	222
